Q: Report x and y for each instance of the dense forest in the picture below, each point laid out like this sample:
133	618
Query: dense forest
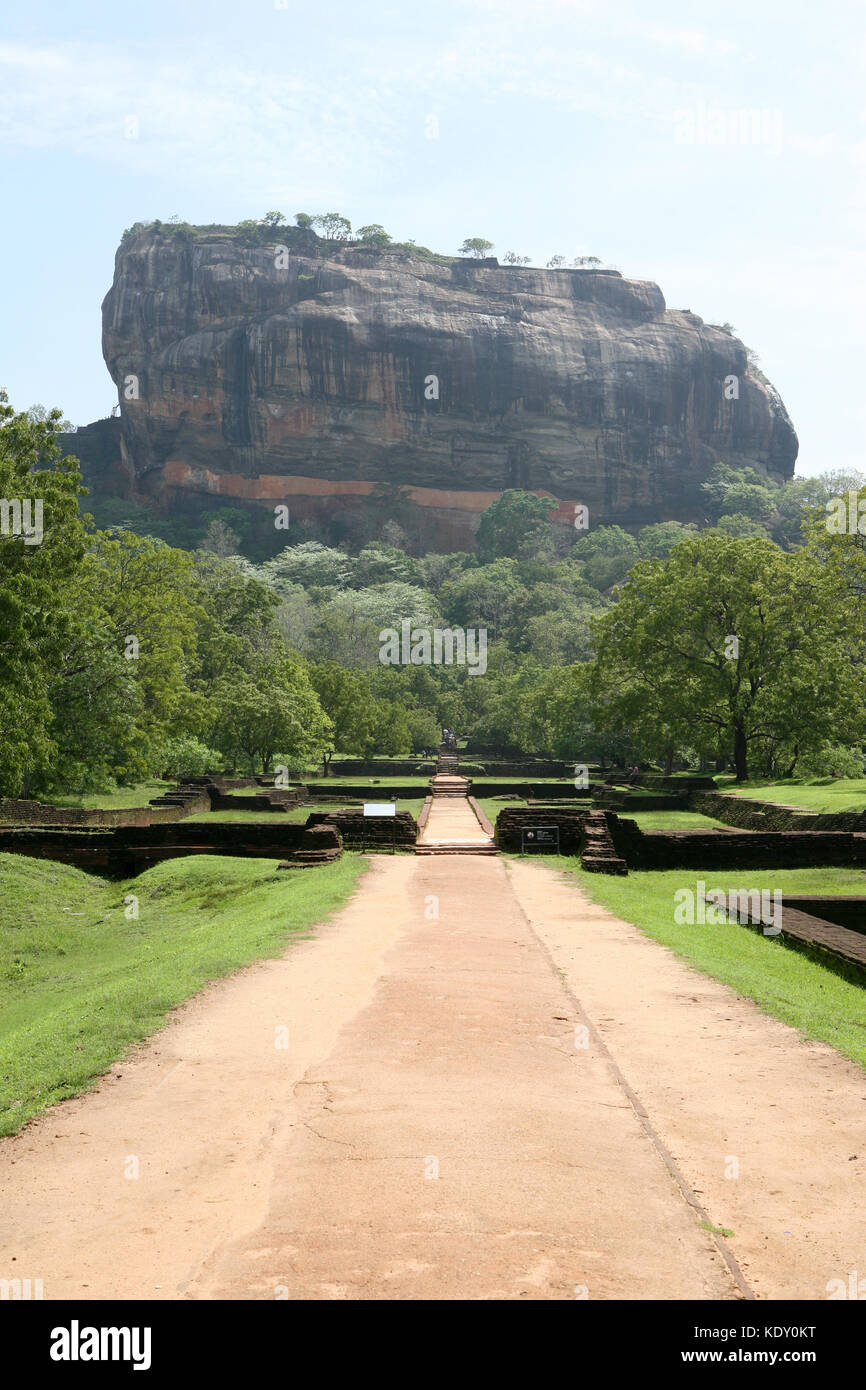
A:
131	647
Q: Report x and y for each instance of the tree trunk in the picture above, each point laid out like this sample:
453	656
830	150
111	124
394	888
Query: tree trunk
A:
669	762
790	771
740	755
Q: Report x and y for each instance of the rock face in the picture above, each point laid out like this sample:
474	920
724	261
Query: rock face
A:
306	377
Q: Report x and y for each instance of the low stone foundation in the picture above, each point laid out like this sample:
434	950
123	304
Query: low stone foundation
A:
320	844
277	799
124	851
511	822
749	813
380	833
362	791
654	781
720	849
162	810
532	791
816	935
848	911
614	799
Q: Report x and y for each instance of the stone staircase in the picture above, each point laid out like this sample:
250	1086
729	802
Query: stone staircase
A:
446	784
599	854
449	761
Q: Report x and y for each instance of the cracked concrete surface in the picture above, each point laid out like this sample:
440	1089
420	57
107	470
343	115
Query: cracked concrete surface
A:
433	1130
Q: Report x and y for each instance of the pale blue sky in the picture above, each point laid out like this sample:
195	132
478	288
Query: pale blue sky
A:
561	128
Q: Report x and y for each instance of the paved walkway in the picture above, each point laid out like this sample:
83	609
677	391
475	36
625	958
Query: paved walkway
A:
452	821
491	1089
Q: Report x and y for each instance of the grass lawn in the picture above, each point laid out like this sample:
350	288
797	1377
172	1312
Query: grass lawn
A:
673	820
119	799
819	794
79	982
782	981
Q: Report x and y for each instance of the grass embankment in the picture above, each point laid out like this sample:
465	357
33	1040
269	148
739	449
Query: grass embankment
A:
782	981
79	982
817	794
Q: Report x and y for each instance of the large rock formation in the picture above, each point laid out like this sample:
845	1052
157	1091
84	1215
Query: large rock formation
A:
307	376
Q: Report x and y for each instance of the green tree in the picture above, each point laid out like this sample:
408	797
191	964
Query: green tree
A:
310	564
270	708
516	524
483	597
148	601
373	234
220	538
391	732
37	576
350	707
476	246
381	564
39	415
655	542
346	634
386	605
740	525
235	618
333	226
562	636
726	647
436	570
185	757
728	491
424	729
606	554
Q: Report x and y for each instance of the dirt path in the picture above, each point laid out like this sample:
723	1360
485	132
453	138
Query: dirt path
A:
432	1130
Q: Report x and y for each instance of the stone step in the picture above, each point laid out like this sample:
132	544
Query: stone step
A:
457	849
608	866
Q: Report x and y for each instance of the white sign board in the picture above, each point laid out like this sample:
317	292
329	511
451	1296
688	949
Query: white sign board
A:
380	808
